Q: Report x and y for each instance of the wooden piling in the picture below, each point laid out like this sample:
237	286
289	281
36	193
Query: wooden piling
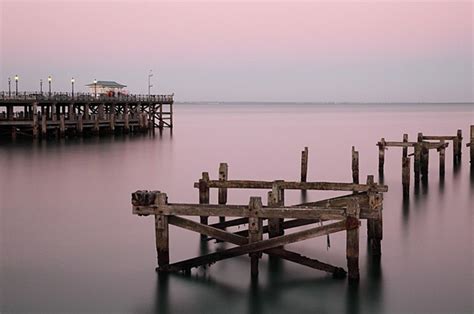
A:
255	231
35	120
70	112
95	128
222	192
442	158
374	225
405	148
417	157
204	197
355	166
304	164
459	144
44	129
62	125
381	155
352	240
80	123
471	146
54	113
162	233
112	123
406	176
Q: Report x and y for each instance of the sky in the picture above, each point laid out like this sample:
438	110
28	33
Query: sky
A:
313	51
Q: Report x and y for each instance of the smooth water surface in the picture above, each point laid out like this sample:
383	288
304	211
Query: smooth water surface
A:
69	241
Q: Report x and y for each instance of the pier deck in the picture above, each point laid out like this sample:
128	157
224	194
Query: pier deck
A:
64	114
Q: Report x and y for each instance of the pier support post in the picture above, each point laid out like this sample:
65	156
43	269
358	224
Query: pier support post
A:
374	225
162	233
304	164
101	111
471	146
352	240
44	129
204	197
442	158
86	112
54	114
62	125
276	198
95	128
355	166
417	159
255	231
70	112
459	145
406	176
222	192
405	148
80	125
381	145
35	120
112	123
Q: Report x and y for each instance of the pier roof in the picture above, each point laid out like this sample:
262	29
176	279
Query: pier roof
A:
107	84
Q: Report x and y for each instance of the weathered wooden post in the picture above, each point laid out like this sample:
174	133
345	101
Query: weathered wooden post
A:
222	192
442	157
62	125
35	120
459	142
471	146
405	148
417	159
70	112
86	111
352	240
95	128
255	231
162	232
406	176
54	114
381	145
374	225
204	197
43	126
112	123
160	122
424	156
101	111
304	164
80	124
355	166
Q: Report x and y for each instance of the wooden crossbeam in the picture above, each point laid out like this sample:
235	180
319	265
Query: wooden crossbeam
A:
290	185
238	211
242	240
258	246
439	137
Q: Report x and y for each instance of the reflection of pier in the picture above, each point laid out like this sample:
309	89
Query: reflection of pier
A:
63	114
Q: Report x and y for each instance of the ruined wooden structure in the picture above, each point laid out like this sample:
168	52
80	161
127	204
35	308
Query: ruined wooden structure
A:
323	217
62	114
421	155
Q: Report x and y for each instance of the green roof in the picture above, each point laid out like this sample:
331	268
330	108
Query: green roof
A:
107	84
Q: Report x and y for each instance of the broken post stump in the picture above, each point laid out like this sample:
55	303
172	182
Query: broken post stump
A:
222	192
352	240
304	164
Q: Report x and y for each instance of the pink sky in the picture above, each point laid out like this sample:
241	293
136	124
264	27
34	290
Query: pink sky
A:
205	50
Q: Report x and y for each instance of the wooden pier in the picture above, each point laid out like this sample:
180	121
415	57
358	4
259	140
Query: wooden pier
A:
326	216
63	114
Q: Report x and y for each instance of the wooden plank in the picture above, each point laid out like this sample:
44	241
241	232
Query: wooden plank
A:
241	240
238	211
288	185
438	137
257	247
230	223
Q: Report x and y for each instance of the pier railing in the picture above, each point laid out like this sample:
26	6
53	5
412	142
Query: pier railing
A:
65	97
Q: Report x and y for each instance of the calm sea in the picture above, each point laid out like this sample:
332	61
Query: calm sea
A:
69	242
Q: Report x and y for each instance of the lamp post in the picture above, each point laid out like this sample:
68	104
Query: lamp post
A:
95	88
16	84
149	83
72	87
49	83
41	86
9	87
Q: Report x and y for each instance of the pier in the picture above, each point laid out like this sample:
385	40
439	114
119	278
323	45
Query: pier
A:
322	218
43	115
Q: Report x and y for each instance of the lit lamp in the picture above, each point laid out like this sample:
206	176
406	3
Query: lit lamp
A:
16	84
72	87
95	88
49	83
